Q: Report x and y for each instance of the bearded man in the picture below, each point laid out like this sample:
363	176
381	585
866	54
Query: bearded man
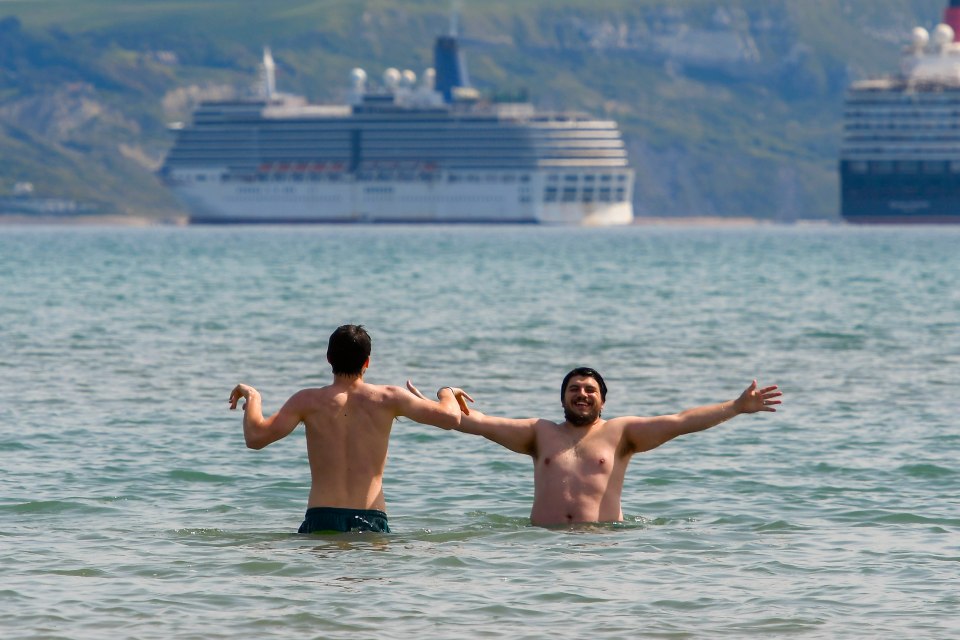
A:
579	464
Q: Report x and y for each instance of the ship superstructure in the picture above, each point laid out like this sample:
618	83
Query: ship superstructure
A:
900	158
412	150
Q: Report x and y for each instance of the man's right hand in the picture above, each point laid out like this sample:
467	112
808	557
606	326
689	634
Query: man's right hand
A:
241	391
461	396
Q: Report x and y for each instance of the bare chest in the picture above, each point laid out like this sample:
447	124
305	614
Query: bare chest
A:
589	453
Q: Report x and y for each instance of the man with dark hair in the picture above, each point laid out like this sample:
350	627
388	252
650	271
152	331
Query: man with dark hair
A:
579	465
348	428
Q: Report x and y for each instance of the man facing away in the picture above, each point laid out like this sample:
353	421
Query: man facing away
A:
580	463
348	428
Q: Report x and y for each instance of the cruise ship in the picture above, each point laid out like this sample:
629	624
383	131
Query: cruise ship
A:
900	157
408	150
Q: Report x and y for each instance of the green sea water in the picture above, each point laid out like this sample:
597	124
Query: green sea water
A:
130	508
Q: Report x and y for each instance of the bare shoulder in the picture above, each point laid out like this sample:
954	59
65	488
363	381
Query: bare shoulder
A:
304	398
542	423
630	422
543	429
629	428
383	392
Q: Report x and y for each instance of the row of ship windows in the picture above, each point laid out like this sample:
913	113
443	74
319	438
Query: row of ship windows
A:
901	113
929	167
424	176
551	194
903	126
586	194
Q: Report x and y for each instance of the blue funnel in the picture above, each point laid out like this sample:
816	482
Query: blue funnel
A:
450	67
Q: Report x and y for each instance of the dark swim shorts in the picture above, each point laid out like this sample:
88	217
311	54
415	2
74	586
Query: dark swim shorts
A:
330	519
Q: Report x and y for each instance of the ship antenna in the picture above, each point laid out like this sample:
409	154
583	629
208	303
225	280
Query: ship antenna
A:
269	74
455	7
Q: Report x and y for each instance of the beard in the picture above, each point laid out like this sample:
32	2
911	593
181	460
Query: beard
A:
580	419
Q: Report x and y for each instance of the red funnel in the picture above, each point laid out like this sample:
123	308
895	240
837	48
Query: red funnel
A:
951	16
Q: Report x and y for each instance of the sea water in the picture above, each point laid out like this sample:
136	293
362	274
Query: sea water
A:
130	508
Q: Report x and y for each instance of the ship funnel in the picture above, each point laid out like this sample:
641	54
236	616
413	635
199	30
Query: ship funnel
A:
269	74
449	65
448	62
951	16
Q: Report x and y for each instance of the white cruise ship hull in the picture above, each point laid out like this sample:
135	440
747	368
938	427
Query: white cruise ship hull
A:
481	200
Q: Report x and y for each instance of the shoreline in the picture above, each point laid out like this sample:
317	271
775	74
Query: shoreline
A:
117	220
120	220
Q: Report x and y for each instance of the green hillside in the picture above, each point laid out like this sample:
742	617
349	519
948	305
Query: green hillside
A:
730	109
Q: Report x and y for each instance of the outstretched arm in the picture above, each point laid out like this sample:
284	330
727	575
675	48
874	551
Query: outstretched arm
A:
643	434
444	413
516	435
258	431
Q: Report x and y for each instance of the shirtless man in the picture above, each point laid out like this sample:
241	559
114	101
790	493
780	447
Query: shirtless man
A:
579	464
348	427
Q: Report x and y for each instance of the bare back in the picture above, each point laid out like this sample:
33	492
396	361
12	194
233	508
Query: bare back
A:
578	473
348	432
348	427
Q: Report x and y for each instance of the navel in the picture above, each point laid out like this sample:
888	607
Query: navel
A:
546	461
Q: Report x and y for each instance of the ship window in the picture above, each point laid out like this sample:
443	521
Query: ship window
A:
262	177
569	194
453	178
472	177
882	166
589	178
201	177
858	167
934	167
550	194
298	177
907	166
587	195
553	177
621	178
571	177
490	177
605	177
604	194
509	177
621	195
525	177
334	177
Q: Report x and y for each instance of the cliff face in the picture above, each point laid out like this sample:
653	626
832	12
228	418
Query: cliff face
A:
731	110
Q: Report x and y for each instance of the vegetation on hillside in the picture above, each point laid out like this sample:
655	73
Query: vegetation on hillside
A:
729	109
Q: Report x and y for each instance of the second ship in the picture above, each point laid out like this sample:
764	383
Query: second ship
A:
900	159
425	150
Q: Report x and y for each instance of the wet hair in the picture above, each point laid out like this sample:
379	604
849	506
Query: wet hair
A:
348	349
584	372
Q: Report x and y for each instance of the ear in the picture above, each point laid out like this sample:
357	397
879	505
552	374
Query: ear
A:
366	363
